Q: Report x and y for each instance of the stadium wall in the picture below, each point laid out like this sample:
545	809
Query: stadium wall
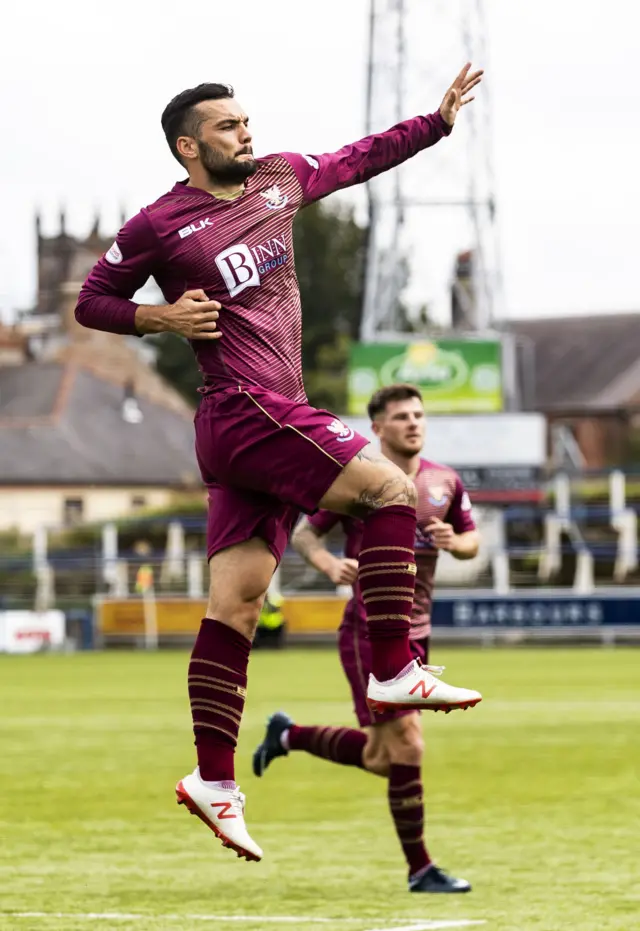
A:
475	615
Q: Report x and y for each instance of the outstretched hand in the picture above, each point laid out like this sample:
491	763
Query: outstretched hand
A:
458	94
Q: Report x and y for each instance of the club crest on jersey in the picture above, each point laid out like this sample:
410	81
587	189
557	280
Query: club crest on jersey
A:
342	432
274	197
438	496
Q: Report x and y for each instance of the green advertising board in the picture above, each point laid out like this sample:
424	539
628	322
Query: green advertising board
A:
454	376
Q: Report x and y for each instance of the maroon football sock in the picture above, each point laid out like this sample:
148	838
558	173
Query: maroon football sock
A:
217	691
339	744
387	580
407	811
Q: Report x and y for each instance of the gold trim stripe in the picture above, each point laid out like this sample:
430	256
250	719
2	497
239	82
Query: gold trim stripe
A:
251	398
388	617
216	727
412	571
317	445
377	549
316	740
406	785
338	735
295	430
216	707
197	706
325	740
373	566
368	599
397	804
407	823
202	682
210	662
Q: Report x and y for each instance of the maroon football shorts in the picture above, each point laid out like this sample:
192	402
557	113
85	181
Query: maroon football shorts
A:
265	459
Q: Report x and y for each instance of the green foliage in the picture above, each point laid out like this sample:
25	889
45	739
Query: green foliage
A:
330	254
326	381
13	543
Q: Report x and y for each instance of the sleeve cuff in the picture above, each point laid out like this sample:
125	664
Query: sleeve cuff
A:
442	123
134	329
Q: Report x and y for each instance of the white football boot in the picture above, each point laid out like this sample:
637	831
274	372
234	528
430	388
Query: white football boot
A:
222	810
418	688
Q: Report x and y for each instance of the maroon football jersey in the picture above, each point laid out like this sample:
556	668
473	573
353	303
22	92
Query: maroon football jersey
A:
441	494
240	253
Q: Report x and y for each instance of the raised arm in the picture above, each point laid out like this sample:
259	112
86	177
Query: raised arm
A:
105	301
320	175
309	541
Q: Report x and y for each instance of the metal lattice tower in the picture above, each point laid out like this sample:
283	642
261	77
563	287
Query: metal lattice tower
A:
441	203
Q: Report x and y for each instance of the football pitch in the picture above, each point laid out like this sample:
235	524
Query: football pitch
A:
533	797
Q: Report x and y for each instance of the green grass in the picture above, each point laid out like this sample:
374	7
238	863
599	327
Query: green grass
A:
532	796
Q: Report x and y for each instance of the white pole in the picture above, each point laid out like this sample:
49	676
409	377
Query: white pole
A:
583	583
551	557
150	619
562	487
174	553
501	574
617	492
39	548
109	553
195	586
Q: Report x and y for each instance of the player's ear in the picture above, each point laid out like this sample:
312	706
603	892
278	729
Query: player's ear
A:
375	426
187	148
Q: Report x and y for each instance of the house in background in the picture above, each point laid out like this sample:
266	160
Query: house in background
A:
88	429
76	446
583	374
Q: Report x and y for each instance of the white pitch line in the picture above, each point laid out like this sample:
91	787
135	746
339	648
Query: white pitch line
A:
124	916
431	925
418	924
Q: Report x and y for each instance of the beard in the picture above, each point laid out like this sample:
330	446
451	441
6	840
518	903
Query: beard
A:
407	448
223	168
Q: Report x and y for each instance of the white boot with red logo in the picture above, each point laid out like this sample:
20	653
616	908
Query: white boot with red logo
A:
221	807
416	687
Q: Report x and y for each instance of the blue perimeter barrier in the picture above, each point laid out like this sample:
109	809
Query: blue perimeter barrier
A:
542	609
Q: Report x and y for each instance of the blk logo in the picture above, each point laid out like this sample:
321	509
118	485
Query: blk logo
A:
194	227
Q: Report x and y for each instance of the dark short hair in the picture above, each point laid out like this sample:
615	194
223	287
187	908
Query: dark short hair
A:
180	117
382	397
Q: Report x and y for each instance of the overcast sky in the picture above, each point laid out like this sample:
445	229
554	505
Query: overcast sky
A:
82	86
